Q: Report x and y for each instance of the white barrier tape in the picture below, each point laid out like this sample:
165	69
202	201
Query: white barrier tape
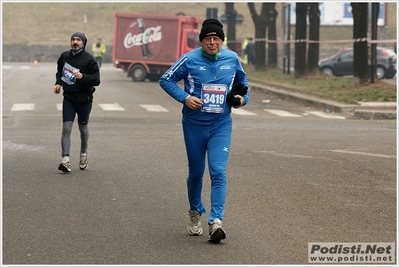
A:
324	41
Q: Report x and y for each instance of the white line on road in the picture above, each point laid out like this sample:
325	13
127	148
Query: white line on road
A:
242	111
154	108
282	113
325	115
10	145
21	107
363	154
111	107
351	186
288	155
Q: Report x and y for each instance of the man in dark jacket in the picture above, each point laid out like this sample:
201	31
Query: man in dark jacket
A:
250	51
77	74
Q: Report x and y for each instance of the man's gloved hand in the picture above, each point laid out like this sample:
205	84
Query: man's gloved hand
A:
233	101
238	89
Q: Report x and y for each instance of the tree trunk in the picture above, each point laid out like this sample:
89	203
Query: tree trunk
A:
375	9
260	23
231	15
314	35
300	37
272	35
360	55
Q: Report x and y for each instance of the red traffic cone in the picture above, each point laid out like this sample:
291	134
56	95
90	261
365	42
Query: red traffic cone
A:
35	62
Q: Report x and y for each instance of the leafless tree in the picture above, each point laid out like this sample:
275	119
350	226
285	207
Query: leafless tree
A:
314	34
231	15
260	22
300	37
375	9
272	35
360	58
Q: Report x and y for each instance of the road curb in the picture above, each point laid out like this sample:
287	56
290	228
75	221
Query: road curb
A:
324	104
374	111
375	114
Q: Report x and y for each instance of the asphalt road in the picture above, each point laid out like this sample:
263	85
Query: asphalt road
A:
312	177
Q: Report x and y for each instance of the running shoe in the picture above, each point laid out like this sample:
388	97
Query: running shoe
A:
194	223
83	161
216	232
65	165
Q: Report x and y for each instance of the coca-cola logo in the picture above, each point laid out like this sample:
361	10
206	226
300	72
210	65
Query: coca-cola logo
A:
152	34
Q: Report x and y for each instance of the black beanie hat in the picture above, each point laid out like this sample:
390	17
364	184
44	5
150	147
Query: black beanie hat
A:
81	35
211	27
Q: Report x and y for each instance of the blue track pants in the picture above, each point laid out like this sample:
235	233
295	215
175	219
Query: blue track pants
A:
213	141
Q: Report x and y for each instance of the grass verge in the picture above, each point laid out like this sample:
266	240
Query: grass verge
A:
339	89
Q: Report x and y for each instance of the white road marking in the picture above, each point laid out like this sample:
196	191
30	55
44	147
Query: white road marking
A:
288	155
363	153
351	186
154	108
21	107
282	113
111	107
159	108
241	111
325	115
10	145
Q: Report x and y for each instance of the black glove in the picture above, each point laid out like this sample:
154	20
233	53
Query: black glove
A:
238	89
233	101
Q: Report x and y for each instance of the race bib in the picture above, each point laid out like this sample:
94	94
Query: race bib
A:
213	97
67	74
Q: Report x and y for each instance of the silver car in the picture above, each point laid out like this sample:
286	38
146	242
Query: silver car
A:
341	63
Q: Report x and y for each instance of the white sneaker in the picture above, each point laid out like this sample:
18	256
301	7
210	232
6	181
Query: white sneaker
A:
83	161
65	165
216	232
194	223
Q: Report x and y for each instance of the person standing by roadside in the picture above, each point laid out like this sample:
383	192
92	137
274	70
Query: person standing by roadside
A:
250	51
99	50
214	82
77	74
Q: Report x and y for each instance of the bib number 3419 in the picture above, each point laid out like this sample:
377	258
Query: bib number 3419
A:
213	97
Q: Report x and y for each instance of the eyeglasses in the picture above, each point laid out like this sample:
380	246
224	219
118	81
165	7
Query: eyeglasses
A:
212	38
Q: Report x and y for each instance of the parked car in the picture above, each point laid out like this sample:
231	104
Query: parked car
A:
341	63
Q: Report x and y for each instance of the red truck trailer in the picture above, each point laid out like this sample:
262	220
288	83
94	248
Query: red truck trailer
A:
146	45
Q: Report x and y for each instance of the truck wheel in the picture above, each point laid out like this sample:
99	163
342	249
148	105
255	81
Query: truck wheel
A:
138	73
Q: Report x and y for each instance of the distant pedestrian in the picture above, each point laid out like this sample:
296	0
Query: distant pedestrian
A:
99	50
77	74
250	51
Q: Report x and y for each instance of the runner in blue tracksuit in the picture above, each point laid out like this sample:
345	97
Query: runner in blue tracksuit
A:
210	73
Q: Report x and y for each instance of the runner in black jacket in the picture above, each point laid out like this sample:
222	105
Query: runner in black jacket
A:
77	74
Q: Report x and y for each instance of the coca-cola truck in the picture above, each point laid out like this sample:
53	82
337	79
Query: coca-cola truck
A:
146	45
